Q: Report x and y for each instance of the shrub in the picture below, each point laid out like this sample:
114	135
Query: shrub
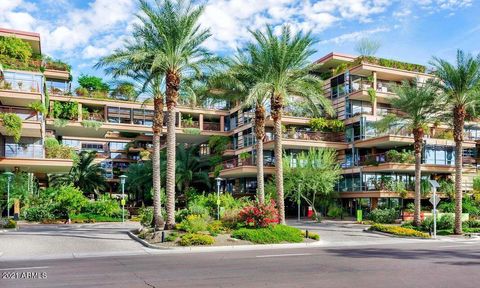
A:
399	231
92	218
12	124
269	235
447	221
471	224
80	91
104	206
311	235
14	47
146	216
194	223
259	215
70	199
38	213
335	211
230	218
215	227
384	216
181	214
192	239
171	237
427	223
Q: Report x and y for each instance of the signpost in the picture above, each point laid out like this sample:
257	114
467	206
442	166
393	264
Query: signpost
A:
122	182
434	200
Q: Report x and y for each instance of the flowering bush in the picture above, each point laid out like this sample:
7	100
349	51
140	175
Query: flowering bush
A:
259	215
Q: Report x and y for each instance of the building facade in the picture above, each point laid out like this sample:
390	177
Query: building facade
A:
360	89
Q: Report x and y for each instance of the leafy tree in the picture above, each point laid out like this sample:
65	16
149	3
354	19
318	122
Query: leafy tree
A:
284	60
125	91
311	175
84	175
22	186
93	83
420	104
172	28
460	83
191	169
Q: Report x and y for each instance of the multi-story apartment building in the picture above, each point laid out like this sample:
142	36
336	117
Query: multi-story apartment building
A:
360	89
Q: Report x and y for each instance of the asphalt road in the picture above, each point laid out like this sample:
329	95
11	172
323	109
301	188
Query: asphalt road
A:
425	264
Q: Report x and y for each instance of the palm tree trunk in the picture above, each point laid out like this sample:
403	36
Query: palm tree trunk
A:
260	135
418	138
173	85
458	123
277	107
159	223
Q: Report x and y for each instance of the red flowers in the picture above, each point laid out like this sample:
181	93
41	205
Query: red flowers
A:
259	215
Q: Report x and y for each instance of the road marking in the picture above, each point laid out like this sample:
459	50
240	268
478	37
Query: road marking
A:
25	268
283	255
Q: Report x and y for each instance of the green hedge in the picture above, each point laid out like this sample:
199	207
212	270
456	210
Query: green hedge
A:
270	235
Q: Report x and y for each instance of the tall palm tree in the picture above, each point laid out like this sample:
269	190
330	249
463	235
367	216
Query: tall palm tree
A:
244	81
191	169
284	60
460	82
135	61
85	175
421	105
174	26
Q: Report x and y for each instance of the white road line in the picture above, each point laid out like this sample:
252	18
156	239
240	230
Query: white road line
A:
283	255
25	268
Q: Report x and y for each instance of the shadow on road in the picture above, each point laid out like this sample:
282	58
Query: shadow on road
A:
417	254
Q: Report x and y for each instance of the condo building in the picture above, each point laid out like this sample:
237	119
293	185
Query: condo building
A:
360	89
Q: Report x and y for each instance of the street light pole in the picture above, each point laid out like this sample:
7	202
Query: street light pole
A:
219	180
298	203
122	181
9	179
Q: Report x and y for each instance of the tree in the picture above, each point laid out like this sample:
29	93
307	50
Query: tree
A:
367	47
245	82
172	27
135	61
460	83
125	91
191	169
311	175
284	60
420	103
93	83
85	175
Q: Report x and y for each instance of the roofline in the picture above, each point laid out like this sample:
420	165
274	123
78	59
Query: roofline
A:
19	32
335	54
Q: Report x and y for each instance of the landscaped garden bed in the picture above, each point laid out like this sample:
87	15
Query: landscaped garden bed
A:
241	223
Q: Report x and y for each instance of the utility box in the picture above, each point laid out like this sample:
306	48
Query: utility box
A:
359	216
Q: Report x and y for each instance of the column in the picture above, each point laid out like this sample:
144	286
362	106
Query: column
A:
222	123
80	114
374	104
200	122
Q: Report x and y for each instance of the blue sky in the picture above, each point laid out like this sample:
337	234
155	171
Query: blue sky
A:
81	31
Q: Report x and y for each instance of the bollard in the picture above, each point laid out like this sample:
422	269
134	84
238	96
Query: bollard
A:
163	236
306	233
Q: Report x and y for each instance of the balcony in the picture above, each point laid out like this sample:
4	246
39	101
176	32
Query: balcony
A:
314	136
211	126
24	113
20	89
244	167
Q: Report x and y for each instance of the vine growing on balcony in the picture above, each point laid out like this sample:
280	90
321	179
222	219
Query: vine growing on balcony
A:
92	124
13	125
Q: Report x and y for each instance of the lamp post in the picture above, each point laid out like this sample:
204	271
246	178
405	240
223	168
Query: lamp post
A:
219	181
298	202
122	181
9	179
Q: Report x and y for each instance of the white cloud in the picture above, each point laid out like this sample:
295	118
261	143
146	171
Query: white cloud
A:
354	36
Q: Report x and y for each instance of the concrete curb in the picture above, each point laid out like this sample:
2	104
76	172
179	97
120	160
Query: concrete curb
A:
145	243
227	247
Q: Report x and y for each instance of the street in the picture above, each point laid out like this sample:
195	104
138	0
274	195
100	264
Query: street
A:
423	264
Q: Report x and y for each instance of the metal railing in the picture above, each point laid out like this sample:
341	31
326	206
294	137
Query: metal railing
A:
211	126
234	163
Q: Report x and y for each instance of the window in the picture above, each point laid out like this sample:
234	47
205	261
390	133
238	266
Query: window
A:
26	148
119	115
92	147
118	145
